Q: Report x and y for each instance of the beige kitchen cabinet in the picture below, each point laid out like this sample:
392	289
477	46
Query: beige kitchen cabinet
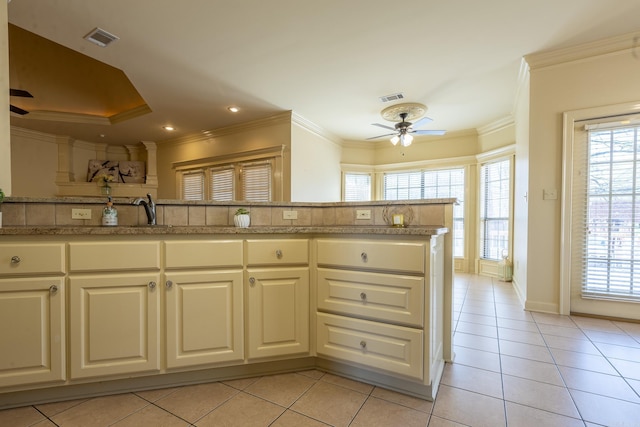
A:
204	302
114	310
277	293
379	306
32	302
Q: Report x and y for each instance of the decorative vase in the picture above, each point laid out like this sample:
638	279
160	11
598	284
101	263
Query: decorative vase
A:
242	220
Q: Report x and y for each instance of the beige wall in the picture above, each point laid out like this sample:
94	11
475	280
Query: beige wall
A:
597	81
270	132
5	145
315	164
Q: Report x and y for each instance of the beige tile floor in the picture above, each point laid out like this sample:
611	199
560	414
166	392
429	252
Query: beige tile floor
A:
513	368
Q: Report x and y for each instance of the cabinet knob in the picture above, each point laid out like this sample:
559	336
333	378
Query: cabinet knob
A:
152	285
252	281
279	254
363	344
15	259
168	284
363	296
364	257
53	289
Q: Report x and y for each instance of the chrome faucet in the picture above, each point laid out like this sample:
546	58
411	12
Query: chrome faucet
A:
149	208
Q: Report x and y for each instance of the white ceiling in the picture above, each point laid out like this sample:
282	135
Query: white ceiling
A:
327	60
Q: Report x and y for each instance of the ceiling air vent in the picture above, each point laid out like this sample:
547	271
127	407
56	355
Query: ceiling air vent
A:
392	97
100	37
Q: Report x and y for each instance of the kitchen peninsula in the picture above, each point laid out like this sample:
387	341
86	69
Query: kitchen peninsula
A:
90	310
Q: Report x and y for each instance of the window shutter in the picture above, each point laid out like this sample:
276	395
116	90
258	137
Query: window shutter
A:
256	181
193	185
222	183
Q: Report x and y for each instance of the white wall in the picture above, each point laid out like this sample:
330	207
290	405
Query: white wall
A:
606	79
315	166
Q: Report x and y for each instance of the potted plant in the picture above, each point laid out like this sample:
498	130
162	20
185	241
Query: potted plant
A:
1	200
241	218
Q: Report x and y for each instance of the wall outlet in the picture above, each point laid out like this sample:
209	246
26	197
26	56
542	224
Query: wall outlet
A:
80	213
363	214
289	214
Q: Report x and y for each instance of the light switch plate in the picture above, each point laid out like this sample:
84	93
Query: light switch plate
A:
80	213
289	214
363	214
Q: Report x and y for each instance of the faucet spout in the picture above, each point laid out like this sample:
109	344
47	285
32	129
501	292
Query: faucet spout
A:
149	208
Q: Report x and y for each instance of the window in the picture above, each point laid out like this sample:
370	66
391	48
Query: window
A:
357	187
611	214
431	184
254	181
495	206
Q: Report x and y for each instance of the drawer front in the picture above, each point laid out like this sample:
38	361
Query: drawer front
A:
203	254
277	252
97	256
28	259
406	257
384	297
390	348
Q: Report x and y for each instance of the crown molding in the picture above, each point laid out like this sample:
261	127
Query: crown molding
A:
496	125
315	129
32	135
624	42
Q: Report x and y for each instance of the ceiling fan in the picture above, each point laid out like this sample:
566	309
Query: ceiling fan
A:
403	129
20	93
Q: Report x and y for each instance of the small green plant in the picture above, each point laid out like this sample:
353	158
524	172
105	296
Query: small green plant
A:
242	211
1	196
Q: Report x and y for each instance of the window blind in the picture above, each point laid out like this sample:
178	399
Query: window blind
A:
606	218
256	181
495	189
193	185
357	187
222	183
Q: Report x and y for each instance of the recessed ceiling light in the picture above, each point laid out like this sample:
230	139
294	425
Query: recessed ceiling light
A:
233	109
168	127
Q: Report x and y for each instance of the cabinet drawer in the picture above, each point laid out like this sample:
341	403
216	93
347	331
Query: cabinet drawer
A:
32	258
395	349
203	254
277	252
391	256
95	256
385	297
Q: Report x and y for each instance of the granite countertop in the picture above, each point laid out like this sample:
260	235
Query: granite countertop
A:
194	229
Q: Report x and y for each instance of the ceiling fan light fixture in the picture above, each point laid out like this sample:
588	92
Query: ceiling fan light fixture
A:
395	139
406	139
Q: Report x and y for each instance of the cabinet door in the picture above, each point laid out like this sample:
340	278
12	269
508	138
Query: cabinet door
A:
277	311
31	331
114	324
204	318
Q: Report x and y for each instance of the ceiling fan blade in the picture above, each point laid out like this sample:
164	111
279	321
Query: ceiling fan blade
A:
381	136
429	132
383	126
17	110
422	121
20	92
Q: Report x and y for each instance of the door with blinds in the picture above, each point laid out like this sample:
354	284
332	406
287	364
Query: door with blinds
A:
605	232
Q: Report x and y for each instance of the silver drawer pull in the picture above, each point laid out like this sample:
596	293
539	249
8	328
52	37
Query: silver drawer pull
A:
53	289
364	257
168	284
363	296
363	344
279	254
15	259
152	285
252	281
